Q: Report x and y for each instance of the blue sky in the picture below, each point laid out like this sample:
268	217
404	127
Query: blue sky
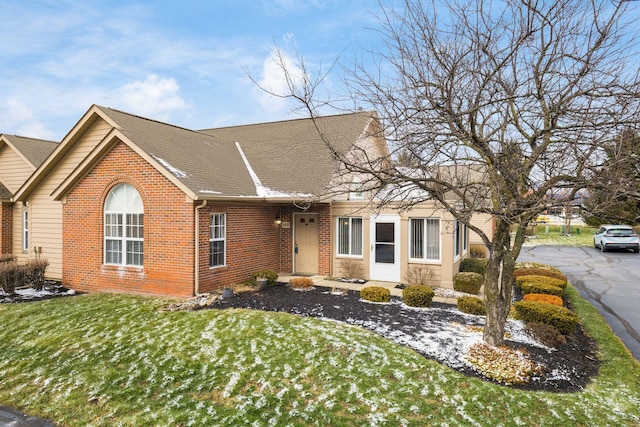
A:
182	62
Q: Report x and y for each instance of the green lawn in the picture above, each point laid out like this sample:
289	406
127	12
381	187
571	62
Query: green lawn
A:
109	360
554	235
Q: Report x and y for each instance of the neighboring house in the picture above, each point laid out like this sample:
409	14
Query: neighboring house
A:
19	158
129	204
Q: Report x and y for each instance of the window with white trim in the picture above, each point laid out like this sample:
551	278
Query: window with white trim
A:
349	236
25	230
218	239
424	239
124	227
456	239
357	189
465	239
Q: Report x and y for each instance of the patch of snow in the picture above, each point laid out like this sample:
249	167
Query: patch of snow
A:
175	171
209	192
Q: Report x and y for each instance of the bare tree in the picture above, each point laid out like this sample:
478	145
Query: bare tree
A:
493	107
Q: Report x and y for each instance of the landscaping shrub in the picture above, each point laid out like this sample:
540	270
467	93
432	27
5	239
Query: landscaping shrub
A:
375	294
301	283
418	275
270	275
547	298
545	280
478	251
540	288
502	364
418	296
472	305
34	271
11	276
468	282
520	265
539	272
545	334
7	258
475	265
561	318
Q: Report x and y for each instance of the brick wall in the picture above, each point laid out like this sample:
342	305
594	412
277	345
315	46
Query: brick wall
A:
168	231
254	242
6	228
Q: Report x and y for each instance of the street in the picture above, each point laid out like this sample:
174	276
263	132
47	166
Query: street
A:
610	281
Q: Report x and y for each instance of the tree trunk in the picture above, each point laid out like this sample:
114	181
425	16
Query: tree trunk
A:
498	284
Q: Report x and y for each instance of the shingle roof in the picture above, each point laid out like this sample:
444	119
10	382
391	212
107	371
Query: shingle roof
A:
279	159
290	156
5	194
35	150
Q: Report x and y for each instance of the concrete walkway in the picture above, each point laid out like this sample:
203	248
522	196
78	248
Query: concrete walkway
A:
448	297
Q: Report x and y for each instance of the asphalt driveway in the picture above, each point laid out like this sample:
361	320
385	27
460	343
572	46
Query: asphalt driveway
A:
610	281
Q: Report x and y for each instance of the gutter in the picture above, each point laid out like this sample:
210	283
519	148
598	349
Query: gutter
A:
196	282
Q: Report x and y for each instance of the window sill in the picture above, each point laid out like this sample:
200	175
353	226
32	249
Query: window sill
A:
349	256
425	261
123	268
217	268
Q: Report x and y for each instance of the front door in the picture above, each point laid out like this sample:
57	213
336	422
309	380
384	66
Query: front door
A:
385	248
306	243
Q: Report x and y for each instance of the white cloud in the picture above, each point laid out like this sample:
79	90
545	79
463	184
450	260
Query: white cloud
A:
24	120
155	97
279	71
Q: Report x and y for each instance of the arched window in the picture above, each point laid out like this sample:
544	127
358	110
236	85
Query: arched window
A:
123	226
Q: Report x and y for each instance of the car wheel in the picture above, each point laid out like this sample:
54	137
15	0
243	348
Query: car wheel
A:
594	244
602	248
636	250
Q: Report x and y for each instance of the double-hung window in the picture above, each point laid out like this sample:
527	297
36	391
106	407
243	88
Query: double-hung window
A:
217	239
124	227
350	236
424	241
25	230
457	239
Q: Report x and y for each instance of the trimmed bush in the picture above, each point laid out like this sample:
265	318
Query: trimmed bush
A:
34	271
545	334
11	276
475	265
472	305
375	294
540	288
478	251
418	296
520	265
546	298
544	280
561	318
7	258
468	281
270	275
301	283
539	272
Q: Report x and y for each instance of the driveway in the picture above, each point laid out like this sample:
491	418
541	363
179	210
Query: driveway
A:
610	281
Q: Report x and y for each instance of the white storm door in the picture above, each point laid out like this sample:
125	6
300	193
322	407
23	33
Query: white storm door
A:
385	248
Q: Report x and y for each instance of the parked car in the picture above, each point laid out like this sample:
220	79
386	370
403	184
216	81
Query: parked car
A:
616	237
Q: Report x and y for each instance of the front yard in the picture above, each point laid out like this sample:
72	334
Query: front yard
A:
117	360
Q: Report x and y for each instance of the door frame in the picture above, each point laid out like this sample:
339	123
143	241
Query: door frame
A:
382	271
293	240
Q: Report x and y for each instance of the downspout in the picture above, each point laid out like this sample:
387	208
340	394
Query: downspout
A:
196	283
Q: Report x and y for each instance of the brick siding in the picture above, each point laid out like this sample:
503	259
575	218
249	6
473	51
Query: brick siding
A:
253	240
6	228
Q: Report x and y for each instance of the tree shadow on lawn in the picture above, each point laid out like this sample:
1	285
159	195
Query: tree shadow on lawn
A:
440	332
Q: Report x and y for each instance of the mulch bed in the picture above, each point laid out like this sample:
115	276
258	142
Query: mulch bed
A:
578	356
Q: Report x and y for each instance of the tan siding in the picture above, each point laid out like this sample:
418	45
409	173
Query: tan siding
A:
14	171
46	213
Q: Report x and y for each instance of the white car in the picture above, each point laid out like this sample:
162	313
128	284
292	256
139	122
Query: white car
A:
616	237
